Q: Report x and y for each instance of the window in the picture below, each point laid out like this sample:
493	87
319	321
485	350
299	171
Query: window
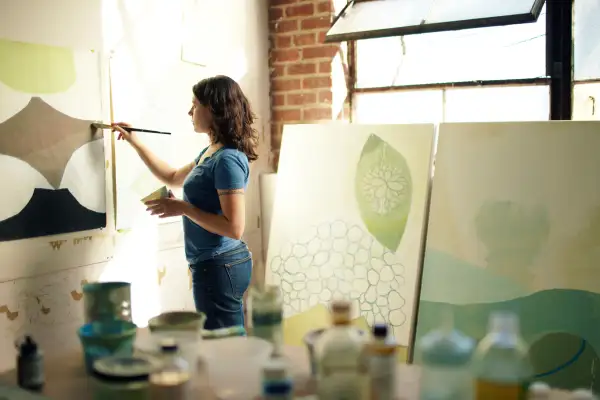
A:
506	52
587	44
434	76
586	102
410	107
518	103
586	54
383	18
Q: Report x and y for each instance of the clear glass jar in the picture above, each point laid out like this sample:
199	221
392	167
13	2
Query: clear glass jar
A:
172	381
501	363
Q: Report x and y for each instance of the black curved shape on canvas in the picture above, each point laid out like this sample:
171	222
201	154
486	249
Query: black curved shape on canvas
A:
50	212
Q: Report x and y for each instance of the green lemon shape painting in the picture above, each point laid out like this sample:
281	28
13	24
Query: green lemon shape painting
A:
36	68
383	189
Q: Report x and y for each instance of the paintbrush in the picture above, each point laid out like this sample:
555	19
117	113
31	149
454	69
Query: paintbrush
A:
99	125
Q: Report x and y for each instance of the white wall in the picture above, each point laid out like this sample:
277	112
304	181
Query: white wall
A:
40	281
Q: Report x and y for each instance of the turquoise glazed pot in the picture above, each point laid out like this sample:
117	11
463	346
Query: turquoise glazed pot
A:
107	301
101	340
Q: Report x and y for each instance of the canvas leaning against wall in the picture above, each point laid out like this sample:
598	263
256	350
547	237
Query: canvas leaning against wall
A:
52	161
347	221
514	224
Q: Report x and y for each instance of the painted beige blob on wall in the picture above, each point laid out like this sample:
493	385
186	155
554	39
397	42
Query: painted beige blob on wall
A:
78	295
44	138
10	315
161	272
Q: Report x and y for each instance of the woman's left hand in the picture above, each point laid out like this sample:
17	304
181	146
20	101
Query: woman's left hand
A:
166	207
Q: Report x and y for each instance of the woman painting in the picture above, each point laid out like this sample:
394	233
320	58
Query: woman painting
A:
213	204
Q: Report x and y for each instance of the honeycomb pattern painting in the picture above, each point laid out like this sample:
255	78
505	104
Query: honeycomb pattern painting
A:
335	259
383	189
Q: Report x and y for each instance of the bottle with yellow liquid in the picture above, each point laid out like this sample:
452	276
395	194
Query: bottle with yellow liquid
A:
501	363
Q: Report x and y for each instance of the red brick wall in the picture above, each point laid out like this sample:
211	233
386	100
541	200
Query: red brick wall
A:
300	64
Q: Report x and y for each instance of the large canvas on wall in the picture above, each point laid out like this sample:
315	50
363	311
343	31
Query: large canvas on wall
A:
348	219
53	162
514	224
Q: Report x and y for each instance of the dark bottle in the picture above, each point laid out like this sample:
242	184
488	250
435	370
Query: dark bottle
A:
30	365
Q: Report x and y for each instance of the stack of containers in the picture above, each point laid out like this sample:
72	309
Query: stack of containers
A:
108	329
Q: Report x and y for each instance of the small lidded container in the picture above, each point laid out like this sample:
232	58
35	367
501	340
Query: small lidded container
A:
122	378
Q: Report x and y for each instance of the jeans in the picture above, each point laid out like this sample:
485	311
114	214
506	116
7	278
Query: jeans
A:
218	286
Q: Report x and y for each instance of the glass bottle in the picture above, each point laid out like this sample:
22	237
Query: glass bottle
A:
276	383
445	355
382	364
172	381
501	363
266	315
341	358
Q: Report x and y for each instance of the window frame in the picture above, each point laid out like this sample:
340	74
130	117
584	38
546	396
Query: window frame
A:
559	67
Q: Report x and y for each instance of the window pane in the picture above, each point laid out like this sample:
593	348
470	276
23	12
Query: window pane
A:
587	44
446	10
423	106
586	101
406	16
505	52
522	103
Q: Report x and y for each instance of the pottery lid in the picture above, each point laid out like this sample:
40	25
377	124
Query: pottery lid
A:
123	369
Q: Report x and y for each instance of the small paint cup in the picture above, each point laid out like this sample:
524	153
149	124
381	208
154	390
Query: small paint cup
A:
184	327
177	321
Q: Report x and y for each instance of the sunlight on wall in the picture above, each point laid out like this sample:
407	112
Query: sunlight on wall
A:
339	89
236	66
136	261
112	27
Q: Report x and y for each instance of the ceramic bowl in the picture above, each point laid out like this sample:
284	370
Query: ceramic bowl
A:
99	340
177	321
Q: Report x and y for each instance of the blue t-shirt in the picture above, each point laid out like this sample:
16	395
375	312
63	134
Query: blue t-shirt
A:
225	169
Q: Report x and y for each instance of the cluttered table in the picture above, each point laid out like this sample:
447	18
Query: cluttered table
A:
230	377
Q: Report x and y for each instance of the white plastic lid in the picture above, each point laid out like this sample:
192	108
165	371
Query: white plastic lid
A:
582	394
504	322
539	389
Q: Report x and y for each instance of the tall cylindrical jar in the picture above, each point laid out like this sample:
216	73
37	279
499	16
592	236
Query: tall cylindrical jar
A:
266	314
107	301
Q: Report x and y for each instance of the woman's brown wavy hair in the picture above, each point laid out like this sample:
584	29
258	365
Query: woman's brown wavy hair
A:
232	116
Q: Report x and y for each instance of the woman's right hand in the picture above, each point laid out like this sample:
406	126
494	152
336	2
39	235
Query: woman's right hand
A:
123	134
